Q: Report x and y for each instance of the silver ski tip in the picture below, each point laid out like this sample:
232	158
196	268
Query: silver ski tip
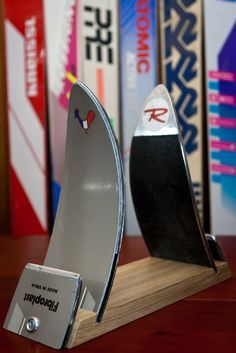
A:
158	116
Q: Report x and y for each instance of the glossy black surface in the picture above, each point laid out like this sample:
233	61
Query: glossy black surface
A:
163	200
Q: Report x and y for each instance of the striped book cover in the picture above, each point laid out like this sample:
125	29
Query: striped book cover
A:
181	66
138	47
220	39
99	54
62	55
25	64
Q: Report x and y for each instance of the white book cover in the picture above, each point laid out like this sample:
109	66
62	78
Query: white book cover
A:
62	54
139	65
27	119
220	39
99	54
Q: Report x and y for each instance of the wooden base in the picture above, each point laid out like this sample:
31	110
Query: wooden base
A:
142	287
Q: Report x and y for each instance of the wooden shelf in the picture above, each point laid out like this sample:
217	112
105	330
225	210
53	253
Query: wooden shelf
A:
142	287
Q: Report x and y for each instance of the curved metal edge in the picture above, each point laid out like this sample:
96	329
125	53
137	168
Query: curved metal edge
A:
216	250
202	233
121	213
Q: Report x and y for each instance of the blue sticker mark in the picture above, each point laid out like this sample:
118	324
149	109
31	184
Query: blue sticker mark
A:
56	189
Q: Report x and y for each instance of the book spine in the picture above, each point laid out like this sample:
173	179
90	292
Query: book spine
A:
99	45
220	34
139	63
4	177
61	31
24	38
181	66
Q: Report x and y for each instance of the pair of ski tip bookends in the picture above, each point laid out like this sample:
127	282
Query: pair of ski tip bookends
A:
61	302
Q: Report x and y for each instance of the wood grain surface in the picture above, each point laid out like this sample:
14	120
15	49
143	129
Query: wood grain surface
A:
142	287
204	322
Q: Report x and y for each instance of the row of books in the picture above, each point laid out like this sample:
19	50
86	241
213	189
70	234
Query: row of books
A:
121	50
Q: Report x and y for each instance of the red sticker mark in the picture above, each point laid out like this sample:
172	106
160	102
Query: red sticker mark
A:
155	113
90	117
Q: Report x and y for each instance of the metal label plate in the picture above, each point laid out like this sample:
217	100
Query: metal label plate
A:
44	304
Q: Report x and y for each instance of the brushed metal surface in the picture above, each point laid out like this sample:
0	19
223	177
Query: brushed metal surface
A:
89	224
49	297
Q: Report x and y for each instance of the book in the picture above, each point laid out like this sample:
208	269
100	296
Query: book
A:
220	34
82	43
62	59
99	54
139	67
181	68
27	121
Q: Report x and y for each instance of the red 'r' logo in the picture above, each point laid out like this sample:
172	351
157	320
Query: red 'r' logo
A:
155	113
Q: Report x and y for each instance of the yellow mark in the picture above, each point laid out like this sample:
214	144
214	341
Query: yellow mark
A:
68	95
71	77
